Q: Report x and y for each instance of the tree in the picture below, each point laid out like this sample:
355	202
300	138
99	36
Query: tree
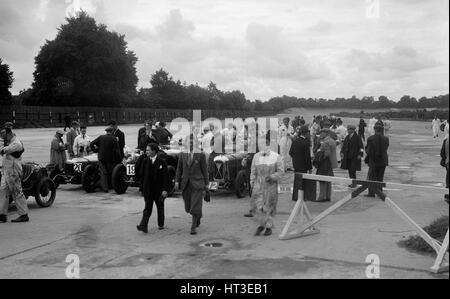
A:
85	65
6	81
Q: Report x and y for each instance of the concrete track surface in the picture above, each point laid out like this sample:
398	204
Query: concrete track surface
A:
101	228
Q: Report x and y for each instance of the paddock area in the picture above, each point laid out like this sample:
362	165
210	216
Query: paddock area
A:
101	228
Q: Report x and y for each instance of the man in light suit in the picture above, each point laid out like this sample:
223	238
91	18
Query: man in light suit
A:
192	179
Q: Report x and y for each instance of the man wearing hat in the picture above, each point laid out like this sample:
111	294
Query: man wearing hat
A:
58	151
70	138
120	136
327	163
109	156
301	157
352	153
11	176
377	158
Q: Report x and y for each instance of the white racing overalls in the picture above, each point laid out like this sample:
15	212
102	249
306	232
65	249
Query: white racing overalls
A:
11	183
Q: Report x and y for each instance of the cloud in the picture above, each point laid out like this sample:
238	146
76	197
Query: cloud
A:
400	59
265	48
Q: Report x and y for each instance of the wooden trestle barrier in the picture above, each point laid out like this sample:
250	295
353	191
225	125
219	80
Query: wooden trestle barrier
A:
308	223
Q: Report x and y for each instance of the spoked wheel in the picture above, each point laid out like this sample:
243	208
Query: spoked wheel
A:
45	193
90	178
241	187
172	173
118	179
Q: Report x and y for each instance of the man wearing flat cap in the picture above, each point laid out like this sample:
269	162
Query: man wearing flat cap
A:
301	157
58	155
352	153
11	176
109	156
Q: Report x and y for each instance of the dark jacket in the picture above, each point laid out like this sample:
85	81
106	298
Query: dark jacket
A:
301	155
376	150
108	149
351	149
362	127
121	139
444	154
196	173
163	136
154	177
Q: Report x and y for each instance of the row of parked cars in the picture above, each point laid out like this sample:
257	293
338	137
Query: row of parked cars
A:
229	172
42	182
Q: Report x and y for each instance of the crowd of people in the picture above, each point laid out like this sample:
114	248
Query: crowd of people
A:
324	144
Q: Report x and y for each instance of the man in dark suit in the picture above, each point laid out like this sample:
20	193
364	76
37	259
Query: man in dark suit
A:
120	137
146	136
155	175
352	153
109	156
445	162
301	157
362	129
377	158
192	179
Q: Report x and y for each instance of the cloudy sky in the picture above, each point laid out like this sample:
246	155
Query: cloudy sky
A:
265	48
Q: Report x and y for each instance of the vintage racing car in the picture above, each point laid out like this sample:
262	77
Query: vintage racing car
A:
230	174
124	175
78	171
37	183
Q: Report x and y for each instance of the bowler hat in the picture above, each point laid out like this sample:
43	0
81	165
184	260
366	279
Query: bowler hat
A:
351	127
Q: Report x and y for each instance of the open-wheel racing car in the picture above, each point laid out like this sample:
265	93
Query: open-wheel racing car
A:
124	175
37	183
78	171
230	174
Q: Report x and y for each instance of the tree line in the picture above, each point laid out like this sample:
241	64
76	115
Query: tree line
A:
88	65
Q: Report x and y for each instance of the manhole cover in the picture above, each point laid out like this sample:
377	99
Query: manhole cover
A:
213	245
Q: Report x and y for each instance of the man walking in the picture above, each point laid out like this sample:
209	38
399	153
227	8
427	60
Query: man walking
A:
352	153
301	157
436	124
377	158
11	176
108	157
155	175
192	179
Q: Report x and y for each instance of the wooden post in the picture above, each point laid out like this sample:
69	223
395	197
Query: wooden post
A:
439	266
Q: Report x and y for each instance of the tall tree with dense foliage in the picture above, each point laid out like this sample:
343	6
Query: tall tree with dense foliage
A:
85	65
6	81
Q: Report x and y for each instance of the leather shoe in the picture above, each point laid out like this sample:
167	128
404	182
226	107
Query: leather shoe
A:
268	232
3	219
142	229
193	232
21	219
249	215
259	230
352	186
